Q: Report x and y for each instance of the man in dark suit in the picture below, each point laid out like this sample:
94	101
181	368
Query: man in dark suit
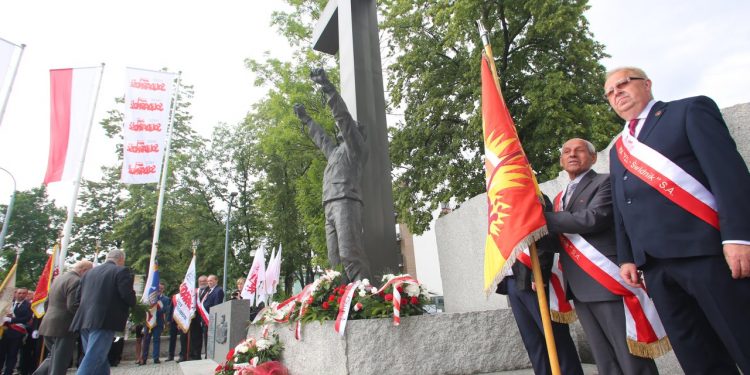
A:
106	295
62	304
213	296
197	329
586	209
681	200
525	305
162	308
15	330
174	333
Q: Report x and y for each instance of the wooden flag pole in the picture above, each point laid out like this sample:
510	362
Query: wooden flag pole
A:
538	281
541	296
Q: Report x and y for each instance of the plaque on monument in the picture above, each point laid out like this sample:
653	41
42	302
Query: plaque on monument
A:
210	335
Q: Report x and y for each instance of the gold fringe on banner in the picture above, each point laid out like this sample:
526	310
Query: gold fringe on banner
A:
652	350
563	317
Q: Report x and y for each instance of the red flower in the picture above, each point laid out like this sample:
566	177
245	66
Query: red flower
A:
341	291
331	298
400	289
414	300
219	368
389	297
325	305
230	354
310	300
340	300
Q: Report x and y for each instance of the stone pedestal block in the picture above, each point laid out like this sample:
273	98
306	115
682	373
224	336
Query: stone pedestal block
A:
460	343
228	324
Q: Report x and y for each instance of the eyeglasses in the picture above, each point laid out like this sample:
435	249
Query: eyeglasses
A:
619	85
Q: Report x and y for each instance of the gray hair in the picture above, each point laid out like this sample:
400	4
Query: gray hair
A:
589	146
116	255
630	69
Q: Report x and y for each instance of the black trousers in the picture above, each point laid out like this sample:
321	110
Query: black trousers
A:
9	353
704	311
174	332
196	338
525	306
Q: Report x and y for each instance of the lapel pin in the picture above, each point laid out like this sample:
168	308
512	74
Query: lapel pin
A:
658	113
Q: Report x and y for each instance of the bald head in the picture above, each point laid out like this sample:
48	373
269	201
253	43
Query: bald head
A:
83	266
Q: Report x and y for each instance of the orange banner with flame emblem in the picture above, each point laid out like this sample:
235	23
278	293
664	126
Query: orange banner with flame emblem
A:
515	218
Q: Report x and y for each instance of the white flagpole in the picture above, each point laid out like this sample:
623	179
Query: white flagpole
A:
162	188
12	79
77	182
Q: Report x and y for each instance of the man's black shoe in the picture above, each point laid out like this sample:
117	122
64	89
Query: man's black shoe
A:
157	361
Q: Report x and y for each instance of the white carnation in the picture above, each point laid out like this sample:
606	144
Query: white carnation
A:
242	348
412	290
362	293
263	344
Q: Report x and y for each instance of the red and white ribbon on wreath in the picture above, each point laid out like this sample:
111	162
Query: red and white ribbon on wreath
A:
344	307
304	299
396	282
666	177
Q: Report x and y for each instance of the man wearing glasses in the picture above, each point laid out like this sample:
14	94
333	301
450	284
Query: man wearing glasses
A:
681	195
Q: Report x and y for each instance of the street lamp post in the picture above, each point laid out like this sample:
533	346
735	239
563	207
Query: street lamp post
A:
8	211
226	243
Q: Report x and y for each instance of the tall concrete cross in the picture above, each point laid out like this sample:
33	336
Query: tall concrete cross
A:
350	27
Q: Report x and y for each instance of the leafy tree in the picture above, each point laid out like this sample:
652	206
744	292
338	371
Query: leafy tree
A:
550	76
34	227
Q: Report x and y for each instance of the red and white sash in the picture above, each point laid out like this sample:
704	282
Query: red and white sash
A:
667	178
645	333
561	310
202	310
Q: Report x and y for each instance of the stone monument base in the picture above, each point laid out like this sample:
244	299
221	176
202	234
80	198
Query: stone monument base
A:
227	327
460	343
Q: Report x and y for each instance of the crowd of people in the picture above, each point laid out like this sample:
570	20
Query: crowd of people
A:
86	308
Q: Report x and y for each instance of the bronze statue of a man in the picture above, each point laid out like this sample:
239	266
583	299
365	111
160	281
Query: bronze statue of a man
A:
342	180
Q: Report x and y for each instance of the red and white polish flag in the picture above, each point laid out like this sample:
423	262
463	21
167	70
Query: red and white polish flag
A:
73	96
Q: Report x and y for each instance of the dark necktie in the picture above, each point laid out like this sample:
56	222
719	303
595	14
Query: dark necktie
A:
631	126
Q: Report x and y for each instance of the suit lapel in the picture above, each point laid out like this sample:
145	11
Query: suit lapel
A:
653	117
585	181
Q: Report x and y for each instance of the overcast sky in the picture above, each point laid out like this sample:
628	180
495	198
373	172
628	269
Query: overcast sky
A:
687	47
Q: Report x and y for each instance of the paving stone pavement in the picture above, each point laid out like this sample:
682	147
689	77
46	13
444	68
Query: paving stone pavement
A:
131	368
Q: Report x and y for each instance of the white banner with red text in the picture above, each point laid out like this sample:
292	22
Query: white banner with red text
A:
145	125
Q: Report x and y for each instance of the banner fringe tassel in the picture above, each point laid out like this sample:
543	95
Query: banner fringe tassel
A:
651	350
